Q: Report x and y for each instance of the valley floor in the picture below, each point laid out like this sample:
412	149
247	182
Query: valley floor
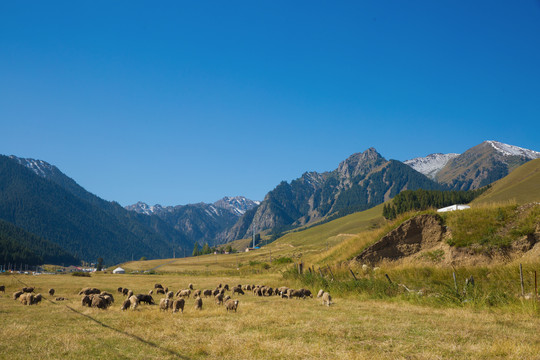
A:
263	328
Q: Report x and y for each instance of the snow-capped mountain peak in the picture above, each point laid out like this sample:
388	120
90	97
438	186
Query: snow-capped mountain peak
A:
237	204
431	164
143	208
511	150
39	167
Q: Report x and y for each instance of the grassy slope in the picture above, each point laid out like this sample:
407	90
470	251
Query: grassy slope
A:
263	328
521	186
301	244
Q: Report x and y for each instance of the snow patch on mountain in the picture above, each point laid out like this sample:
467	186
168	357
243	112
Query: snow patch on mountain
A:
143	208
40	167
237	204
431	164
511	150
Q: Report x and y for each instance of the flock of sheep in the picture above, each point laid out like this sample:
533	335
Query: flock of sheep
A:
93	297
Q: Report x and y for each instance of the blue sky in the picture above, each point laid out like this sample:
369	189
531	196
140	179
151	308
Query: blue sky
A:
177	102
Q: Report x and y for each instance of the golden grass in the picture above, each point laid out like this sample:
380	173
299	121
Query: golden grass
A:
520	186
263	328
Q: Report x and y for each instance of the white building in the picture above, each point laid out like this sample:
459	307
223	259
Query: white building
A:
119	270
454	208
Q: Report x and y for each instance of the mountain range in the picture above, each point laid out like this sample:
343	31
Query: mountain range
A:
37	198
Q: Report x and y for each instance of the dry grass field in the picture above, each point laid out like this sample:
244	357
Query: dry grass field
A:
263	327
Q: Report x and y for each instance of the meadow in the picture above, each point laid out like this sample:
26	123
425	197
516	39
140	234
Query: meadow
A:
354	327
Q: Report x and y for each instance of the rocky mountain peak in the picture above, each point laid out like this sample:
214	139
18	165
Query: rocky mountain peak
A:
360	163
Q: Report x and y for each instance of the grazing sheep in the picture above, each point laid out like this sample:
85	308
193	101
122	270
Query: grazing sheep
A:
129	293
125	291
197	293
120	290
17	294
295	293
267	291
190	286
86	301
219	299
107	298
89	291
164	304
258	291
170	295
104	293
282	289
306	293
166	290
125	304
226	287
207	293
145	298
226	298
3	288
160	291
158	286
99	302
36	299
231	305
198	303
326	298
182	293
219	286
238	290
132	302
51	292
178	305
28	289
150	292
216	292
24	298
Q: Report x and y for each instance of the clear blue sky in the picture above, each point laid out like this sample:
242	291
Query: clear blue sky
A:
176	102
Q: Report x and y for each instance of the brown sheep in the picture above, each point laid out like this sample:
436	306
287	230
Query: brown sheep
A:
86	301
125	291
99	302
145	298
282	289
170	295
197	293
158	286
226	298
295	293
103	293
319	294
28	289
164	304
238	290
231	305
216	292
190	286
219	299
178	305
120	290
132	302
125	304
36	299
108	299
160	291
207	293
226	287
17	294
3	288
51	292
182	293
306	293
198	303
89	291
129	293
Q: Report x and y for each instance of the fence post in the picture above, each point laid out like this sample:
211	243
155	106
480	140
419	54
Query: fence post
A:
455	280
354	276
521	277
331	274
388	277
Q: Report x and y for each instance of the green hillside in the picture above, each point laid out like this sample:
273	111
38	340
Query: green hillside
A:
18	246
521	186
